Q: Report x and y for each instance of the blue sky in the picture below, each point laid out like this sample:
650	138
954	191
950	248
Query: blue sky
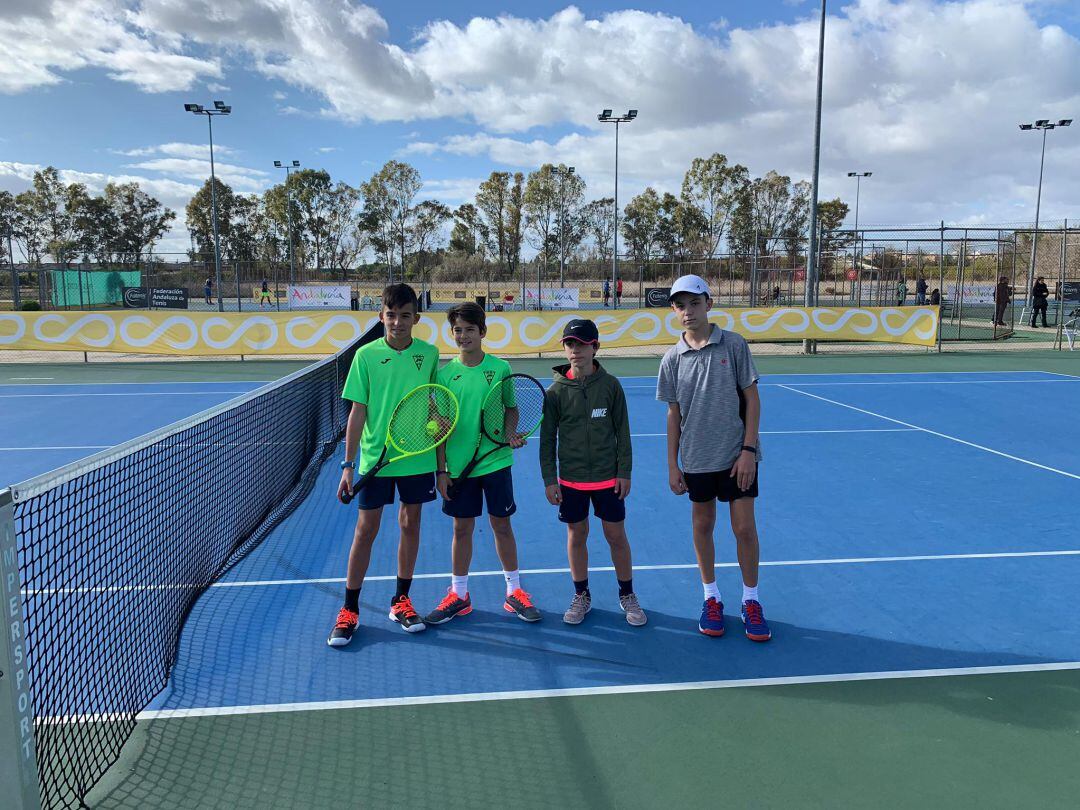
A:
925	94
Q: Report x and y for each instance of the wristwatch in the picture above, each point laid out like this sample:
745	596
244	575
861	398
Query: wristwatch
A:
348	465
749	449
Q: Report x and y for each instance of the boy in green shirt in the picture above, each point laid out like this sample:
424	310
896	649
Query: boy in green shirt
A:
471	375
382	373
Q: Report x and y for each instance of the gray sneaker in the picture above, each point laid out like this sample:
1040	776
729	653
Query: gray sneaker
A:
581	605
634	614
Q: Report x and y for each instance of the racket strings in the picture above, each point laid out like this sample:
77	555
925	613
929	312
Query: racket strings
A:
525	395
423	419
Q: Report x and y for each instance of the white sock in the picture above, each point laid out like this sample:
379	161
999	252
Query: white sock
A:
711	590
749	593
513	581
460	585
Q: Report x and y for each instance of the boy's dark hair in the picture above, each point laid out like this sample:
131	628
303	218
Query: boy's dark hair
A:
396	296
470	312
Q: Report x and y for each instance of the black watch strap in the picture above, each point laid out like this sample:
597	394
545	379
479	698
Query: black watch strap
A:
749	449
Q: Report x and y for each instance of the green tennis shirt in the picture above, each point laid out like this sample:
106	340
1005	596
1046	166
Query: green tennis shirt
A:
379	377
471	387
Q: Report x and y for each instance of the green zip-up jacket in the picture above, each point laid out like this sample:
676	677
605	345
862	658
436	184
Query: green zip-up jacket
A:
587	422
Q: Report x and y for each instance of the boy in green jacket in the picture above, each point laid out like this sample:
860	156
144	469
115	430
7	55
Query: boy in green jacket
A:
585	419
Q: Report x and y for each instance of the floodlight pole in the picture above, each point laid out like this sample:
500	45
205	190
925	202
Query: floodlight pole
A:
810	296
15	297
858	187
607	118
288	208
1045	125
220	108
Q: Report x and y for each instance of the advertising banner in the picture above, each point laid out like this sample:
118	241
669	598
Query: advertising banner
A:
319	297
657	296
276	333
552	298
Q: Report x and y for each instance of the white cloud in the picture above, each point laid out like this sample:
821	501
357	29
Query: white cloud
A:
327	149
241	178
183	150
214	87
44	40
452	191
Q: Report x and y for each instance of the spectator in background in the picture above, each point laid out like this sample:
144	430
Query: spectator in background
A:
776	295
1039	293
1002	294
920	291
618	292
264	294
901	292
607	291
208	290
935	298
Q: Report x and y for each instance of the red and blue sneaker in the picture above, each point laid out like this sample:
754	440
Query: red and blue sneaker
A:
712	617
757	629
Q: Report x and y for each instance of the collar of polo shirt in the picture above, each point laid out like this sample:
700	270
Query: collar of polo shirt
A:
715	336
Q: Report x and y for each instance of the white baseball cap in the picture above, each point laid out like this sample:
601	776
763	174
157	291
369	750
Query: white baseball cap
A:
689	284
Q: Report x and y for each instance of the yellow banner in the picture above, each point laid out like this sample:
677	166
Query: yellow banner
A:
321	333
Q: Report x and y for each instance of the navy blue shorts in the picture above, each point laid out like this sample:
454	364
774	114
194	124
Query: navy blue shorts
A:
605	503
379	491
704	487
497	488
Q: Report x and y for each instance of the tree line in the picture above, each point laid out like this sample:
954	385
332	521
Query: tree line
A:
336	226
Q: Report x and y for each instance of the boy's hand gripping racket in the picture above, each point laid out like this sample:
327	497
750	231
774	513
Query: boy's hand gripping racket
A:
422	420
512	411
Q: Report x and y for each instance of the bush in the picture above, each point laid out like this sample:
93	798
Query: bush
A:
31	306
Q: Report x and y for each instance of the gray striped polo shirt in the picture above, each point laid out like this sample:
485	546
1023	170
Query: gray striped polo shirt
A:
703	382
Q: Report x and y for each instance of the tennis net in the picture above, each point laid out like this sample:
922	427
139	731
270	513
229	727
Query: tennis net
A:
110	553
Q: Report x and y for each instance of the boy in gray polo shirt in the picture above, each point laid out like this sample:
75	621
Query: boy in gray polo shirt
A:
709	381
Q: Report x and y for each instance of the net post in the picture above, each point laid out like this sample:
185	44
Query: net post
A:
18	764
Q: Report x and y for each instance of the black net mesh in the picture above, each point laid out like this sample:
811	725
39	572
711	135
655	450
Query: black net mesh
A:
114	552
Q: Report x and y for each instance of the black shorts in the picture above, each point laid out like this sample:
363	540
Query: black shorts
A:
497	488
703	487
379	491
605	503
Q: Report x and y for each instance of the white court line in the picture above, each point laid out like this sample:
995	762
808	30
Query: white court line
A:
260	583
1059	374
897	382
62	447
938	434
162	382
586	691
80	394
800	432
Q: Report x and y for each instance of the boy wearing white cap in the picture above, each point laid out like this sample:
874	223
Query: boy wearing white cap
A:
709	381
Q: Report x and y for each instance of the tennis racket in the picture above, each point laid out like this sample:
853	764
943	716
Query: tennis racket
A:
421	421
514	408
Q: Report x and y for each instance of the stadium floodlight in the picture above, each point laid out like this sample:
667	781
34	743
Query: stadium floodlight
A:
608	118
1045	125
293	164
220	108
858	188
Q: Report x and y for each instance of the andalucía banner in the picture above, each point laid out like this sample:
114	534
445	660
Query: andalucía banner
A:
321	333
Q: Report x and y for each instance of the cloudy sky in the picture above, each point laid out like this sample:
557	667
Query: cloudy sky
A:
925	94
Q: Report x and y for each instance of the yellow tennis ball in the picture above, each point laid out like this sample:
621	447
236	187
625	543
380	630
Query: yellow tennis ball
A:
432	427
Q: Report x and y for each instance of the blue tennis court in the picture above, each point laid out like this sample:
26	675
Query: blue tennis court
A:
913	525
897	512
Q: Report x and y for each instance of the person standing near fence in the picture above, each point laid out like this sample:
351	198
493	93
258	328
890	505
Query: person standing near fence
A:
1001	300
920	291
618	292
901	291
1039	293
208	290
607	291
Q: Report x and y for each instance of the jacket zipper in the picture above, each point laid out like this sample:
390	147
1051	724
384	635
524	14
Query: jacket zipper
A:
588	425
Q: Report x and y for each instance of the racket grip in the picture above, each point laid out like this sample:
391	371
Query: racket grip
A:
360	484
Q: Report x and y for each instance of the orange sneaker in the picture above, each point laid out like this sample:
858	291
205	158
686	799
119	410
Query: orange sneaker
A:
344	628
520	603
451	605
403	612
